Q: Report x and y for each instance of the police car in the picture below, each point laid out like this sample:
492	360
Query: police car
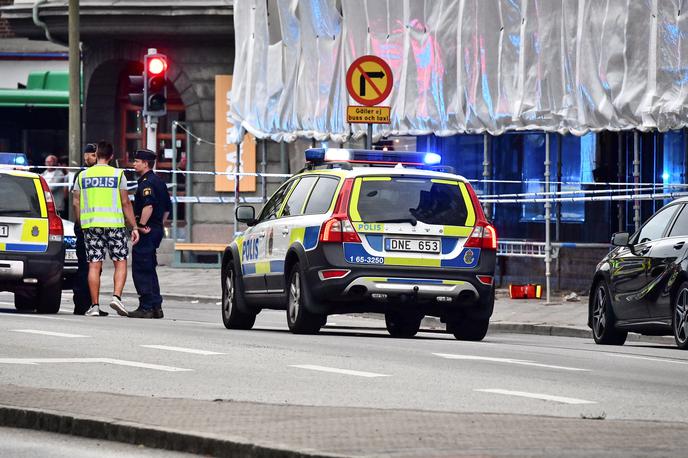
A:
31	246
365	231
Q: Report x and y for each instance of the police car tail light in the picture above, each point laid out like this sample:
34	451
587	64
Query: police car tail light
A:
483	236
338	228
55	229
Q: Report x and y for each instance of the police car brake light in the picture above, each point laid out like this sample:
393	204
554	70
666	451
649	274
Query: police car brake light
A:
55	228
483	236
338	228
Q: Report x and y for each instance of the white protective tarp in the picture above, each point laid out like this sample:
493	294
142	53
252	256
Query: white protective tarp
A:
462	65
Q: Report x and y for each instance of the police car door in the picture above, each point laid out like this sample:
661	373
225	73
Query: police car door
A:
289	229
257	243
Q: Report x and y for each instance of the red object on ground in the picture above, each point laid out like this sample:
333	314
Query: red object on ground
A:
529	291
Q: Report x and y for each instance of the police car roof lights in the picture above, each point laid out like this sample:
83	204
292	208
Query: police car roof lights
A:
318	156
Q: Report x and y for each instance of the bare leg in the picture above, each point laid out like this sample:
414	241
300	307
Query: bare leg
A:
120	276
94	269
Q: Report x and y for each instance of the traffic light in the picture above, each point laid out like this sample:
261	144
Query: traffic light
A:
136	86
155	85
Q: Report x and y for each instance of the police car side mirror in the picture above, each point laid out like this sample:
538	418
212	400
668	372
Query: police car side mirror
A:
246	214
620	239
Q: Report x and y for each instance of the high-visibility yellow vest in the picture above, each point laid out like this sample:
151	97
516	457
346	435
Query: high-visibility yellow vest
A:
101	204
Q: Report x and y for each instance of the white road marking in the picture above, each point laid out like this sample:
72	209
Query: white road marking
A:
648	358
543	397
521	362
48	333
183	350
338	371
117	362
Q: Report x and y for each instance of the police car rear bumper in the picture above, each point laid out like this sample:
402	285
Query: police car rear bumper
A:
379	288
29	270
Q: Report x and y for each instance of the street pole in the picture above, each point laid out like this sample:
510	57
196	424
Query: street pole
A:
636	179
236	185
369	137
548	213
487	172
174	182
152	133
74	85
621	177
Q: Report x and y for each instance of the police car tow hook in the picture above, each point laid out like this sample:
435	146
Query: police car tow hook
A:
379	296
416	289
444	299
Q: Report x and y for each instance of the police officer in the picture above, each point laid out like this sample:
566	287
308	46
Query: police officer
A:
152	205
82	297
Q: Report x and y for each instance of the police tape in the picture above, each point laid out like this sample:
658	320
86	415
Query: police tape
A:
630	187
628	197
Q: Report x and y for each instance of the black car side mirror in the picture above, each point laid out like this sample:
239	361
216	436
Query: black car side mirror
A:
620	239
246	214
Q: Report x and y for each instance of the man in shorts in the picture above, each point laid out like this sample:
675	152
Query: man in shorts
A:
101	195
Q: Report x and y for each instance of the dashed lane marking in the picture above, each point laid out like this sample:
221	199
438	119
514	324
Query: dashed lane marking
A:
48	333
117	362
540	396
648	358
338	371
183	350
521	362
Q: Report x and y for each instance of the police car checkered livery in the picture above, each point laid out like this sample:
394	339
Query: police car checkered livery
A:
365	231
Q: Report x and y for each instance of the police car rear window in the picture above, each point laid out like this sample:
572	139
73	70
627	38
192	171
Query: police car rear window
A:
392	200
24	199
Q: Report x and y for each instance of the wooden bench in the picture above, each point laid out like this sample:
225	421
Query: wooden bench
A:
215	248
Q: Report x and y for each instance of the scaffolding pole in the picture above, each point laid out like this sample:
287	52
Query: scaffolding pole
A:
621	176
487	172
236	185
636	178
548	214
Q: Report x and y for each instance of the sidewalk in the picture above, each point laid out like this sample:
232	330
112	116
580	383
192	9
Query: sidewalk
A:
231	428
533	316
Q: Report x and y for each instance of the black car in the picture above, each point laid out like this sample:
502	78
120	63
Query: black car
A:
642	285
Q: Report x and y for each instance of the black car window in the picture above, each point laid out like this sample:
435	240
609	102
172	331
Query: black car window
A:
321	197
298	197
19	197
680	228
272	207
655	227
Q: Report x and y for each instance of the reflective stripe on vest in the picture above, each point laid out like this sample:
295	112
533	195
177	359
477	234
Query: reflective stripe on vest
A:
101	204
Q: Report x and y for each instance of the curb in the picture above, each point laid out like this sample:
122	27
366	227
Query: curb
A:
136	434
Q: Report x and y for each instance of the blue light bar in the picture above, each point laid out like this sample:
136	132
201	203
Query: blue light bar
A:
321	155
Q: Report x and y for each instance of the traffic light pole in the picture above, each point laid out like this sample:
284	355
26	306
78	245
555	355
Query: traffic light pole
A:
151	133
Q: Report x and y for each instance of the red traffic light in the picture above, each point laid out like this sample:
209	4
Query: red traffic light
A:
156	66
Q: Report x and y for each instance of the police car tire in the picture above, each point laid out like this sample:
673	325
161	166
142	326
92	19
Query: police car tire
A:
234	318
470	329
49	298
402	325
25	301
300	319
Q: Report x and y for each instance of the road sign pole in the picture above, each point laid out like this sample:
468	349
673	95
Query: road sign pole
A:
369	137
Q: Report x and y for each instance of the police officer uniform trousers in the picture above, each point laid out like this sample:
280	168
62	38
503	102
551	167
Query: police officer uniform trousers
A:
144	262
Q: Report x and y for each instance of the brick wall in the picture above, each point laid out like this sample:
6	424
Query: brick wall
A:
5	31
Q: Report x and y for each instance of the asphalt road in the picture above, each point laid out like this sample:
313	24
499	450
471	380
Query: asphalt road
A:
352	362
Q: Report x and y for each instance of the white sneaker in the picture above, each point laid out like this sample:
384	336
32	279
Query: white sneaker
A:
118	307
95	311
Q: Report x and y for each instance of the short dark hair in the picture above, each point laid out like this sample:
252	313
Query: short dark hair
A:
151	164
104	150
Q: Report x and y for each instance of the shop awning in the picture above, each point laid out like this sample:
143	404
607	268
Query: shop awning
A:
43	90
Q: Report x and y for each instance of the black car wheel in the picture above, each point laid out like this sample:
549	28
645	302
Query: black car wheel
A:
470	329
603	330
403	325
232	316
299	319
679	321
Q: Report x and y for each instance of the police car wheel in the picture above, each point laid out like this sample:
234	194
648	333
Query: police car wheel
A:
299	319
471	329
403	325
49	298
232	317
25	301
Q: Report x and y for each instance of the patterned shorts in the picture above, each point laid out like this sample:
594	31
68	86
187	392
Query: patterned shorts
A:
99	238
